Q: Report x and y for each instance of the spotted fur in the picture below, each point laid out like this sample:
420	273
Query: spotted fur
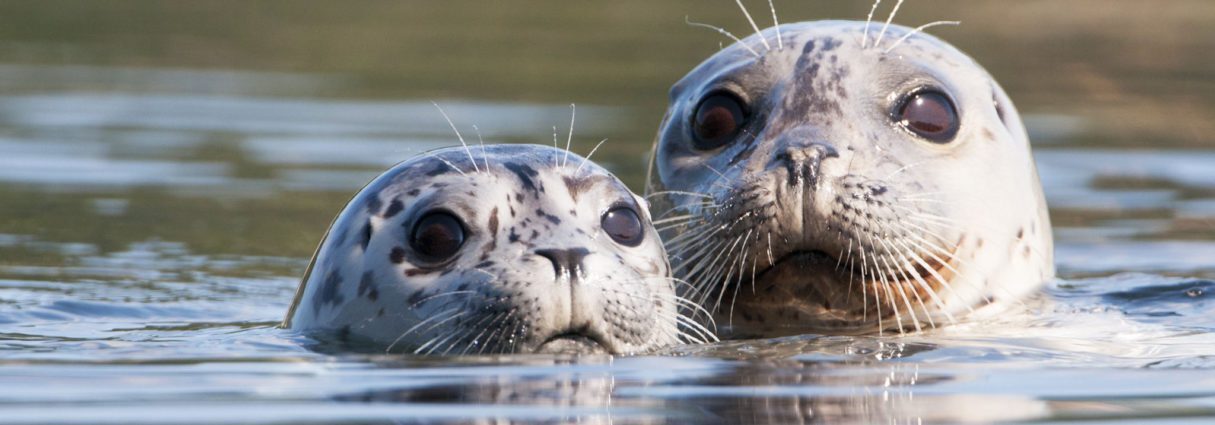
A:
535	266
824	214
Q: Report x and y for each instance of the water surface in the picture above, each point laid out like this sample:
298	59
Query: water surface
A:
166	169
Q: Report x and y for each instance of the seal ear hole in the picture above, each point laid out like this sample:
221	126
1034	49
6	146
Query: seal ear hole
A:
623	225
930	114
718	119
437	236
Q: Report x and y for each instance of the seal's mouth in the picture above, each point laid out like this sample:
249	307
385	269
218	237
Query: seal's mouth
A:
813	260
573	341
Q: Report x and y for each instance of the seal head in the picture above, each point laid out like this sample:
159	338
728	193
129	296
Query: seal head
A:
835	183
500	249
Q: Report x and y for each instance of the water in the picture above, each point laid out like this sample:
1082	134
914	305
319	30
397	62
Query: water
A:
167	168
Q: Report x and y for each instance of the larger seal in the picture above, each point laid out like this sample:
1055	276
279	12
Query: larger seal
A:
831	176
495	249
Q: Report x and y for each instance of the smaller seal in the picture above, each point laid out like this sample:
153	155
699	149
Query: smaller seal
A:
493	249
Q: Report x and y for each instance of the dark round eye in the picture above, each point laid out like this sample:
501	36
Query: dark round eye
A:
718	119
624	226
929	114
437	236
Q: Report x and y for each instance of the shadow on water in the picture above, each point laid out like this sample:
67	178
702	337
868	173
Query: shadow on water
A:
166	169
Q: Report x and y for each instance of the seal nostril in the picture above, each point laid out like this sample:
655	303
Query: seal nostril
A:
803	161
566	262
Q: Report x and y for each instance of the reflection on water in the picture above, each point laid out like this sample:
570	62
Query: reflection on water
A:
166	170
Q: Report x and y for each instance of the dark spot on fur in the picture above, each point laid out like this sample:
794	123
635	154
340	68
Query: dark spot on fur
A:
374	204
397	255
366	236
330	293
413	192
415	298
551	218
484	264
440	168
344	333
368	288
493	221
393	208
525	174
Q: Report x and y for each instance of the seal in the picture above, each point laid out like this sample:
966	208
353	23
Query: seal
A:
514	249
829	176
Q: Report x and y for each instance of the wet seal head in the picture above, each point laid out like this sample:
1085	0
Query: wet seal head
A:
488	250
828	177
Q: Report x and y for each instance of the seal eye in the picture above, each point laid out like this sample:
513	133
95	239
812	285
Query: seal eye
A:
623	225
929	114
437	236
718	119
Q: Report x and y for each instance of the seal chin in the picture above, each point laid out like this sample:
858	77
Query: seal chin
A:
573	342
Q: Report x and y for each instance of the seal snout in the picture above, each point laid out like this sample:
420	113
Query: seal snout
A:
567	263
802	157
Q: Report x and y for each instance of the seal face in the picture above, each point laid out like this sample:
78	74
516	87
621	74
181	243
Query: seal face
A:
833	183
495	249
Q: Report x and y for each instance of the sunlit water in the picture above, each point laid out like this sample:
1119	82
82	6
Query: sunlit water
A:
152	235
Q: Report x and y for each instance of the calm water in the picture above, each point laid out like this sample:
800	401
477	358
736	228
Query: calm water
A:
166	169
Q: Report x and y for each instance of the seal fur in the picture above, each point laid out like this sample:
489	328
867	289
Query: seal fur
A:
536	271
824	213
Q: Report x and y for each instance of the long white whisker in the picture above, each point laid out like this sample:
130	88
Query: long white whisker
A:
588	156
722	32
458	136
869	20
756	27
449	164
889	19
481	140
920	29
776	24
569	140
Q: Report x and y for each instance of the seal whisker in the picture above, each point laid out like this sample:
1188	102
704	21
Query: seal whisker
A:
677	192
421	323
452	338
907	250
555	148
588	156
906	278
439	295
758	33
458	136
889	19
676	219
722	32
498	327
902	169
700	265
868	20
780	45
891	280
919	29
481	140
449	164
569	139
715	277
